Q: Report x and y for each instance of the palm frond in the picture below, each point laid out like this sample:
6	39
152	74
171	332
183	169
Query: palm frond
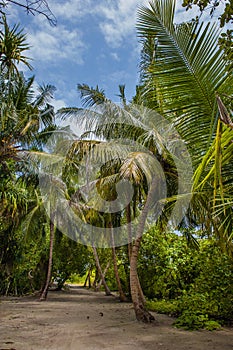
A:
187	70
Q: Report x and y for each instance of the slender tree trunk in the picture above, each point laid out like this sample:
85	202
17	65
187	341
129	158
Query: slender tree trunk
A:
44	293
136	291
107	290
88	279
122	295
96	278
128	218
130	239
104	274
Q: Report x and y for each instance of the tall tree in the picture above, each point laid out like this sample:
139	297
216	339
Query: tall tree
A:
25	122
184	75
133	163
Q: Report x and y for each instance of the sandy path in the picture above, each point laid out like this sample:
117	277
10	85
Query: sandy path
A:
79	319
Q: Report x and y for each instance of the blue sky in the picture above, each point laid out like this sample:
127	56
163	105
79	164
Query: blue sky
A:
94	42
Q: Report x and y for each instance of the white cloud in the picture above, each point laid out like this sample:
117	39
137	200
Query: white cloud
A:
118	20
56	43
71	9
115	56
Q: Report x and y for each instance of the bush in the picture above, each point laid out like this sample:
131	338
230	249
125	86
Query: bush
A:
168	307
194	284
194	321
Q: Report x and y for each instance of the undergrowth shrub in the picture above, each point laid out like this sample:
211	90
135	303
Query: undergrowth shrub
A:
196	285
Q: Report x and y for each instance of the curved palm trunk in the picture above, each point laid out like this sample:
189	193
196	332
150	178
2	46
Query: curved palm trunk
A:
137	295
136	291
107	290
44	293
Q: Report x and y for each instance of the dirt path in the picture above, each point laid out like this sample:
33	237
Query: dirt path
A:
79	319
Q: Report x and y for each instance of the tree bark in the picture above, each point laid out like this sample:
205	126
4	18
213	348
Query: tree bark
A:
44	293
107	290
136	291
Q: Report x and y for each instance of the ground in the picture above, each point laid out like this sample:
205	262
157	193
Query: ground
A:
81	319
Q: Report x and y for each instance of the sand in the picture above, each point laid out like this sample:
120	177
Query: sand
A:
81	319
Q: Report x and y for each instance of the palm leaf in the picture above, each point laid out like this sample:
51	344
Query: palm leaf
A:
187	71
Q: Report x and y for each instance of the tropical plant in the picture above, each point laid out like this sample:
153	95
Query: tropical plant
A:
184	76
26	121
134	162
182	68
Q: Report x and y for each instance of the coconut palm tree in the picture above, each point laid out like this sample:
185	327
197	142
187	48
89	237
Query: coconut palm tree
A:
135	163
183	73
26	120
181	70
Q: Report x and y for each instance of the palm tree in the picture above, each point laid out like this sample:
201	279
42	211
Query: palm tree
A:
12	46
26	122
23	116
182	68
184	75
136	163
182	72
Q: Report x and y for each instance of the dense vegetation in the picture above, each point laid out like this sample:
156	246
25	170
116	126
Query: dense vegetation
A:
188	279
186	270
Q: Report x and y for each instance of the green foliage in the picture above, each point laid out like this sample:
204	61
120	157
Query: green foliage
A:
77	279
211	5
168	262
168	307
226	44
196	284
69	258
211	292
195	321
23	117
20	259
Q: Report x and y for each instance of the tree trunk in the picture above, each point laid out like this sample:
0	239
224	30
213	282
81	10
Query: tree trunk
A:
107	290
44	293
88	279
97	288
130	239
96	279
136	291
122	295
128	218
